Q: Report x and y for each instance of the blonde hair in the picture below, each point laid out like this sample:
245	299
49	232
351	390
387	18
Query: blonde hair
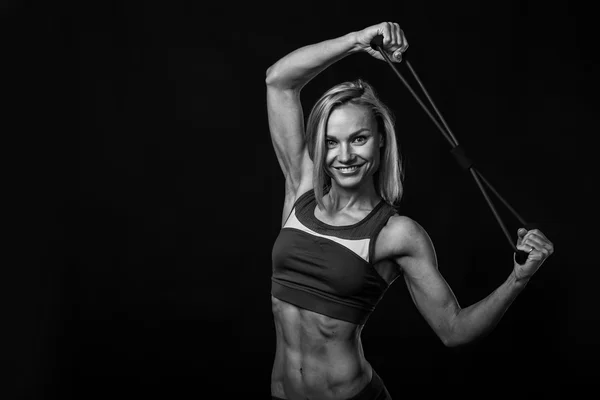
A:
388	178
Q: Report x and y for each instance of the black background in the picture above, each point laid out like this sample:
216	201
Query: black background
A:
147	195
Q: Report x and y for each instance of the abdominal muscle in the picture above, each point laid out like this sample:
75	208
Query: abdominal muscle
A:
317	357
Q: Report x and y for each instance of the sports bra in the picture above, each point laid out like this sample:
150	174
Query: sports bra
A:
326	268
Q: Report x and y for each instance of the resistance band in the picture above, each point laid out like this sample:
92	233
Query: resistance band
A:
457	150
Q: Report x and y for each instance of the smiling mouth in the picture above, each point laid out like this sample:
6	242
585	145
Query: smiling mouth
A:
348	169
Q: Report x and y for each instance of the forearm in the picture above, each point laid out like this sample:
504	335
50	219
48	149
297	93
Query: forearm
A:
481	318
300	66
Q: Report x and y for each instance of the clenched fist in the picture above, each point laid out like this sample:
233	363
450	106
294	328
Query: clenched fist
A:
394	41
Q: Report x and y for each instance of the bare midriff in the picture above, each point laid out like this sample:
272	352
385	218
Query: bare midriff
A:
317	357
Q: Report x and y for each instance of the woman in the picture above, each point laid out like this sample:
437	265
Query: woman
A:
342	243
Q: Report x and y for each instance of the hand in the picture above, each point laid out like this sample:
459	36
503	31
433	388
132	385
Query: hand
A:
539	248
394	41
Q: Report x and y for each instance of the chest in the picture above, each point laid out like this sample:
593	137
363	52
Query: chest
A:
333	258
381	259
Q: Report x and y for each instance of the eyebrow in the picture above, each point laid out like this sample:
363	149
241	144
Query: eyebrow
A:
352	135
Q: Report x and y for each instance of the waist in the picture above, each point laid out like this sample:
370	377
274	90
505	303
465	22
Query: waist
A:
311	345
307	331
316	357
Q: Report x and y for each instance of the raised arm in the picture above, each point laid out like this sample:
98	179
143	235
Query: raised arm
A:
286	78
433	297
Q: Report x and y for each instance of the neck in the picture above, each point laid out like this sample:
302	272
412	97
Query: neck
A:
363	197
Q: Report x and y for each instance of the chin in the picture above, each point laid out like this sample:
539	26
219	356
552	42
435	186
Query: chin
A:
349	183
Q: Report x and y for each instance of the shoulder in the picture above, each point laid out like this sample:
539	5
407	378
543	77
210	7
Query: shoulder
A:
401	226
402	236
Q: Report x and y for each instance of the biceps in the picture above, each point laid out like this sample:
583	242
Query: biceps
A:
433	297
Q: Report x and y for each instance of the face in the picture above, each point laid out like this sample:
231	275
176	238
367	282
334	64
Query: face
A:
353	143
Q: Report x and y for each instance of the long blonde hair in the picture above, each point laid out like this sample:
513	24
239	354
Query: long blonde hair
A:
389	176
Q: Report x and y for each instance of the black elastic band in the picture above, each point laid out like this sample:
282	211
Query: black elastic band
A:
461	157
457	150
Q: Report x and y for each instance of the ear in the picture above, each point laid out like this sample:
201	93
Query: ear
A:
381	139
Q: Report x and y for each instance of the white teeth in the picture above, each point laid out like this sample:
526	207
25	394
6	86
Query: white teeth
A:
348	169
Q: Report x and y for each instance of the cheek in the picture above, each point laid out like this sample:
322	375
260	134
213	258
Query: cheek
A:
374	157
372	153
329	157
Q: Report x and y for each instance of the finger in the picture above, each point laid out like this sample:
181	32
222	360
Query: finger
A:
535	242
526	242
527	248
530	245
397	39
535	249
540	234
521	232
386	31
538	241
533	254
540	237
396	46
403	41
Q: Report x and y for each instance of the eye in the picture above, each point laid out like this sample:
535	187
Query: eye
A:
360	139
330	143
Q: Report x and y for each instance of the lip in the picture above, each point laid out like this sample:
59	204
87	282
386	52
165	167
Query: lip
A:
348	166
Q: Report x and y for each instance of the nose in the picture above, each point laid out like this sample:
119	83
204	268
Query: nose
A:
345	156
